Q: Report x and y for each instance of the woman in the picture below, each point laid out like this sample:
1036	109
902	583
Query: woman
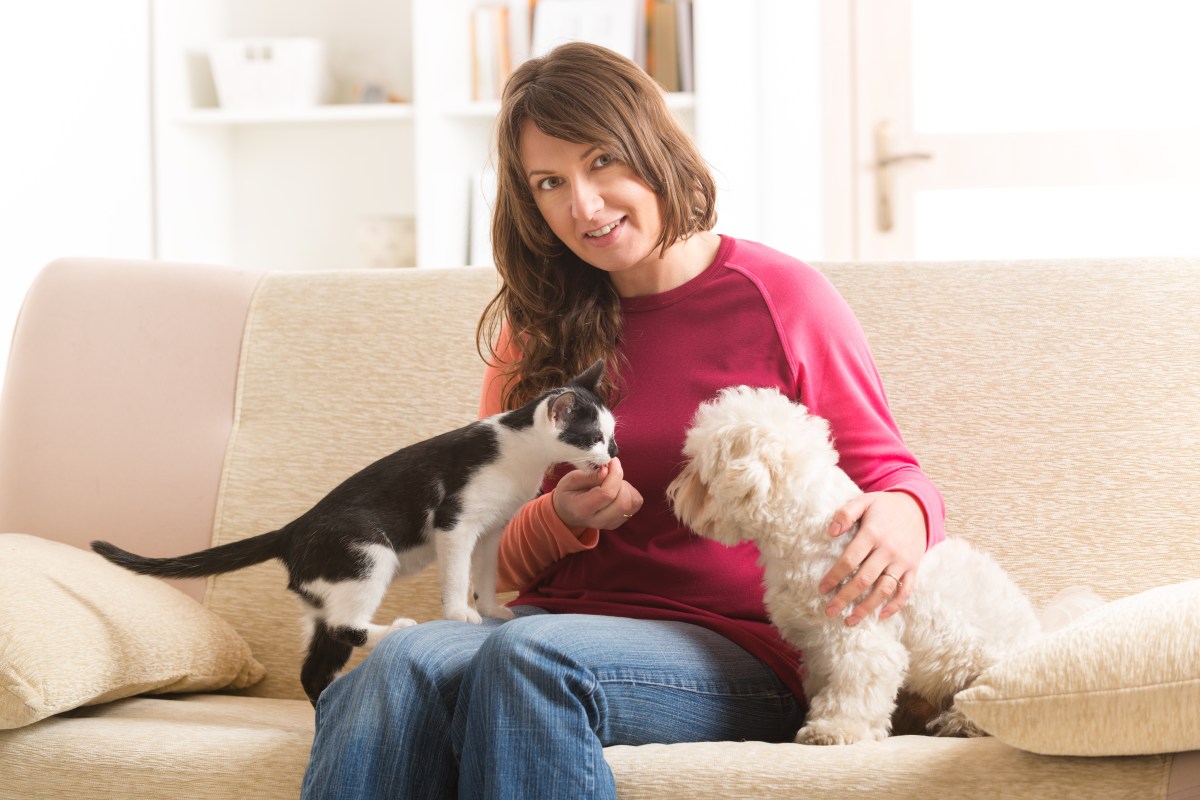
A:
629	629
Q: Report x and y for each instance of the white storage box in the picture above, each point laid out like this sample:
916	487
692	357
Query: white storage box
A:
271	73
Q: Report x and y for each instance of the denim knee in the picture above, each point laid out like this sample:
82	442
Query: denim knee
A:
426	657
544	643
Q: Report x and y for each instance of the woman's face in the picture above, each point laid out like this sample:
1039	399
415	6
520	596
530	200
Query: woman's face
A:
595	204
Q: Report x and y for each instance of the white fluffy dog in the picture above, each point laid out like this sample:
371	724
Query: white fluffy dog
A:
762	468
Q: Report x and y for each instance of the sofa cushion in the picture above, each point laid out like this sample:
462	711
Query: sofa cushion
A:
220	747
897	768
194	746
1123	679
76	630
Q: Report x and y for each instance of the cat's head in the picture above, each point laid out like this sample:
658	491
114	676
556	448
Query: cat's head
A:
583	424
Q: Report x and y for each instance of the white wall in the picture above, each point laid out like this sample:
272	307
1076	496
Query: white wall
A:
758	119
81	174
74	138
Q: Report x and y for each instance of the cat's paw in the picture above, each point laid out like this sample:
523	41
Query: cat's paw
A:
401	622
464	615
498	612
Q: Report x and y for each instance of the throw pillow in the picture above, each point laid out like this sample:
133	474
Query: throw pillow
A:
1123	679
76	630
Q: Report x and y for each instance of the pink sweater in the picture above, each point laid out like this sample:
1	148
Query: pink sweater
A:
756	317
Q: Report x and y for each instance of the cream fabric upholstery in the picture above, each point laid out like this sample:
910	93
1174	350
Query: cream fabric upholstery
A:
1121	680
190	747
338	369
76	630
1053	403
901	767
118	403
1054	406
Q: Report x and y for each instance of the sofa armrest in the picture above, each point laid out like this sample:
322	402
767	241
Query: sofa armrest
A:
118	403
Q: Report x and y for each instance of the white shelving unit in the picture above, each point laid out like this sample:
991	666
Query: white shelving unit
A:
373	112
289	190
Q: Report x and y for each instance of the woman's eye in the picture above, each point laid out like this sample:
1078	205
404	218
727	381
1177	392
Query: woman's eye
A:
602	160
545	184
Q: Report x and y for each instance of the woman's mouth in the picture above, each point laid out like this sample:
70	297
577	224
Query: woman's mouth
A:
605	234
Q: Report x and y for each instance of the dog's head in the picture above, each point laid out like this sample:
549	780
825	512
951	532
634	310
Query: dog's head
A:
752	457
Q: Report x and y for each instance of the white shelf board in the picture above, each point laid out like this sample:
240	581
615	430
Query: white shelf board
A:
362	112
488	109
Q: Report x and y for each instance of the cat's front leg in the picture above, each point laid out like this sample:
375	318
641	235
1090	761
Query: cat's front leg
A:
484	566
454	549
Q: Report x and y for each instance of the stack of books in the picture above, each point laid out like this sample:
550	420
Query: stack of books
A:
657	34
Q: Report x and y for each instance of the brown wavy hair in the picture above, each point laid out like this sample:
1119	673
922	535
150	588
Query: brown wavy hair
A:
562	313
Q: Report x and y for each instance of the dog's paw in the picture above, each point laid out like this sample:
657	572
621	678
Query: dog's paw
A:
954	723
827	732
464	615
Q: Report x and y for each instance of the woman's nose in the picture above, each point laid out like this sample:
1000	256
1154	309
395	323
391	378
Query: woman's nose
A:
585	201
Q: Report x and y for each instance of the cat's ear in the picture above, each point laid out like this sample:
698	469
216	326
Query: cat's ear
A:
561	409
590	378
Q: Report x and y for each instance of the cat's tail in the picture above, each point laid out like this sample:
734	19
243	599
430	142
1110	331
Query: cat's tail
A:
215	560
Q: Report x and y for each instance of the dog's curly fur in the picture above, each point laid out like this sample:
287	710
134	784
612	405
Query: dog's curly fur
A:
762	468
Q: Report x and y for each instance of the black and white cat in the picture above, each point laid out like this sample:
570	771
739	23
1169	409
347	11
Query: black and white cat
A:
448	497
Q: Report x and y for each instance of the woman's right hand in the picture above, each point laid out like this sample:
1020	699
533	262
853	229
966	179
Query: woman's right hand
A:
600	499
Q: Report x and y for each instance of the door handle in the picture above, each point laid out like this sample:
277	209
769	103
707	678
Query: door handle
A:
885	160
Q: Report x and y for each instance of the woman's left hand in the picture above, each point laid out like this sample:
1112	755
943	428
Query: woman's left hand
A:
886	552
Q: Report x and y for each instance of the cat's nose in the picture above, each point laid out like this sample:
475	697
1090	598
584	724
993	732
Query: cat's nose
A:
612	449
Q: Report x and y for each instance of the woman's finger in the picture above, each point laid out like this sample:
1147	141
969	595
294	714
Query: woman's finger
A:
866	573
885	588
850	513
903	592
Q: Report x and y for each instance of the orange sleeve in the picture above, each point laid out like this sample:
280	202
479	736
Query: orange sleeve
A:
535	538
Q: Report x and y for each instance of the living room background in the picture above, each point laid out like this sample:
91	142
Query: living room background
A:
115	144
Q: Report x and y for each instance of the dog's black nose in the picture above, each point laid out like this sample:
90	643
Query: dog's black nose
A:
612	449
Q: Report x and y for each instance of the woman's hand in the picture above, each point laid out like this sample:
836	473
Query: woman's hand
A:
596	499
886	552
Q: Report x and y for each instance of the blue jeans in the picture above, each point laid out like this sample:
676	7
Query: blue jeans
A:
524	709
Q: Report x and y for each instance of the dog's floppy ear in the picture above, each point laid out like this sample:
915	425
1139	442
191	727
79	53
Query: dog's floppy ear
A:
749	462
687	494
753	478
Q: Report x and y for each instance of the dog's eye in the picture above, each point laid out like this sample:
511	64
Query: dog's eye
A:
599	440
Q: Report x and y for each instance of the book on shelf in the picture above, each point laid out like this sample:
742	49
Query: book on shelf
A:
657	34
491	59
479	235
683	29
669	44
662	60
619	25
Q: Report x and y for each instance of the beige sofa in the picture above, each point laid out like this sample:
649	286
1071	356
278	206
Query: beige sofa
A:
167	407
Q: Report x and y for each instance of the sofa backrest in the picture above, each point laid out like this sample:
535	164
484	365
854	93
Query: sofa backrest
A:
337	370
1055	405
